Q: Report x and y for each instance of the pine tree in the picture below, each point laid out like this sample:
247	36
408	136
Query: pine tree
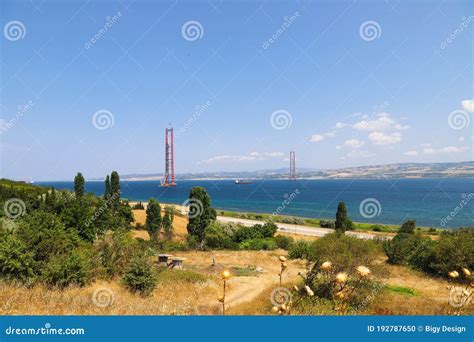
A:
168	218
79	185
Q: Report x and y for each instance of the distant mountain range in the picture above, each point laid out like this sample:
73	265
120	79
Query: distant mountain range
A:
402	170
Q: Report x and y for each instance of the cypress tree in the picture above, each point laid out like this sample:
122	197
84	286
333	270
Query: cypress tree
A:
153	218
108	189
79	185
341	217
115	187
200	212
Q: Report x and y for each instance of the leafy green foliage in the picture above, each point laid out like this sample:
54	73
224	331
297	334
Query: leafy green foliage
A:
153	218
139	277
408	227
74	268
79	185
299	250
201	213
258	244
284	242
344	251
168	218
342	223
16	261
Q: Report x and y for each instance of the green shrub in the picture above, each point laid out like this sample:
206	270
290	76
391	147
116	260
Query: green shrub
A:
115	250
399	249
344	251
257	231
299	250
258	244
215	237
139	277
327	224
74	268
408	227
453	251
284	242
422	255
16	260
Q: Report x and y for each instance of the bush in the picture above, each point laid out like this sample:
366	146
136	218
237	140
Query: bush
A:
75	268
115	250
299	250
257	231
327	224
400	248
16	260
284	242
139	206
217	238
139	277
422	255
266	244
408	227
345	252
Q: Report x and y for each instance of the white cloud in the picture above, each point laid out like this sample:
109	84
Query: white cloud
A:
468	105
381	122
340	125
447	149
411	153
353	143
380	138
321	137
461	139
252	156
358	154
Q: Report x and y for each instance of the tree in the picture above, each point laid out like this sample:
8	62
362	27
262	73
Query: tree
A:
342	223
168	218
108	189
115	187
79	185
200	212
153	218
408	227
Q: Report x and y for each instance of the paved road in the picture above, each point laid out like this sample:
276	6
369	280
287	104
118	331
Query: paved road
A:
297	229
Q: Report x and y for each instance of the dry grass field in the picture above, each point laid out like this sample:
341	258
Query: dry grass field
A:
195	290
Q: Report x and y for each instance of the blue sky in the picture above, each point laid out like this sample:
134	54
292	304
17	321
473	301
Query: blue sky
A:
91	85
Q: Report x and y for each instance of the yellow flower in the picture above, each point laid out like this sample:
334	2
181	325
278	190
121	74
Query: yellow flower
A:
466	272
341	277
275	309
284	265
309	291
363	271
326	266
226	275
282	258
340	295
453	274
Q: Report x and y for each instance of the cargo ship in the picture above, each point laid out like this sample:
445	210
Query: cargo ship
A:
243	181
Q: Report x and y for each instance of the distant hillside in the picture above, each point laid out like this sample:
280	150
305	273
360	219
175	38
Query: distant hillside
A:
402	170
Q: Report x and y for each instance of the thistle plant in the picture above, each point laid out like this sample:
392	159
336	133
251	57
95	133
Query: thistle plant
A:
283	267
226	275
460	295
